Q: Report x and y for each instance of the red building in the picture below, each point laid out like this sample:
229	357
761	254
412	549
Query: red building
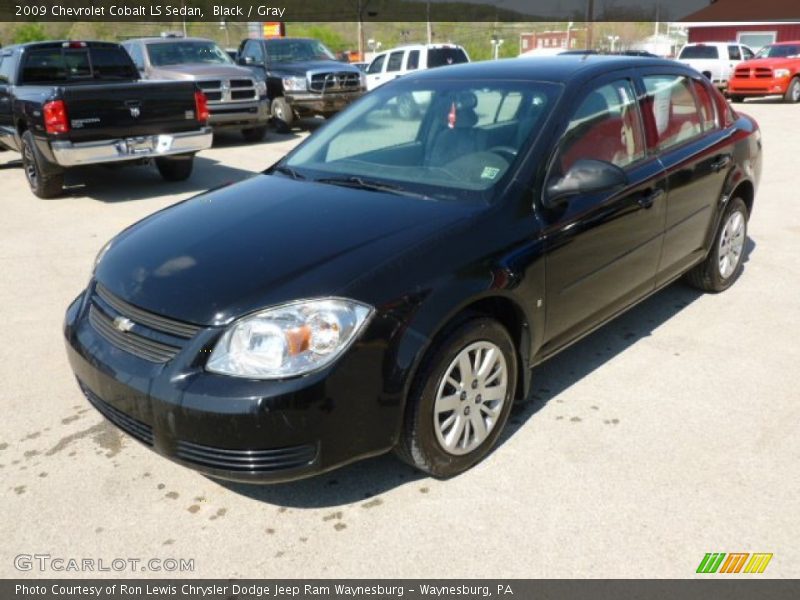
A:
751	22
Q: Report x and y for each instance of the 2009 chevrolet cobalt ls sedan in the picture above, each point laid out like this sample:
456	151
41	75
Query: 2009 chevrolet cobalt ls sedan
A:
391	282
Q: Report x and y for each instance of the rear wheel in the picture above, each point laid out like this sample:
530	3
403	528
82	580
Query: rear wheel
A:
723	265
282	112
792	94
460	400
254	135
43	184
175	168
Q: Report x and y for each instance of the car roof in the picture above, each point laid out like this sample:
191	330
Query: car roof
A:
60	44
558	69
158	39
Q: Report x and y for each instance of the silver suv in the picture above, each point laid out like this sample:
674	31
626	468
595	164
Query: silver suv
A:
236	100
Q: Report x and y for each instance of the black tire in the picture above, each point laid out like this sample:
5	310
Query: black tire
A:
282	112
407	107
419	444
736	99
792	94
175	168
43	186
707	276
254	135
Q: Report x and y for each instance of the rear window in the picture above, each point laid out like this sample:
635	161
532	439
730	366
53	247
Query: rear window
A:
690	52
439	57
66	64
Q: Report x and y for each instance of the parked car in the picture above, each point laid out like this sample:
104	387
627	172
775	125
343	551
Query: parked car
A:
387	286
236	99
303	77
68	104
716	60
391	64
774	71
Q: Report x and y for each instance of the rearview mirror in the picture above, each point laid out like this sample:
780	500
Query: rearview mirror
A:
586	176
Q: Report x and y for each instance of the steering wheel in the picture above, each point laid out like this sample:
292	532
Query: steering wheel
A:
507	152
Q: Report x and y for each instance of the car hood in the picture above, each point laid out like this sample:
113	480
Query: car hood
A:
772	63
302	67
197	72
264	241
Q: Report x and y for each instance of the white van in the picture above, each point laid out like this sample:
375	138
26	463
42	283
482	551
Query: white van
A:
393	63
716	60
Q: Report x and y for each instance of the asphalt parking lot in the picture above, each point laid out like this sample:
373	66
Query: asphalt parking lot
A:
667	434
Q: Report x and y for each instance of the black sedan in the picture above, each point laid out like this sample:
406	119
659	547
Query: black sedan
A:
390	284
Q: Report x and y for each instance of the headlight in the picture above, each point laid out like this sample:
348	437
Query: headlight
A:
261	88
294	84
289	340
101	254
781	73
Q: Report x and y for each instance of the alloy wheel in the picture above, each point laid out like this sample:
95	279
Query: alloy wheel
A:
731	244
30	165
470	397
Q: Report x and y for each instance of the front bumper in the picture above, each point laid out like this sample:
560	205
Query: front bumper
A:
69	154
232	428
240	115
755	87
305	102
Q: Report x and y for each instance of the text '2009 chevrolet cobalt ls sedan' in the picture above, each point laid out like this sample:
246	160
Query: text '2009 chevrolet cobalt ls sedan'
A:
392	281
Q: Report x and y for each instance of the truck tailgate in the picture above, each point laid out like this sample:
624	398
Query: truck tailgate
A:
108	110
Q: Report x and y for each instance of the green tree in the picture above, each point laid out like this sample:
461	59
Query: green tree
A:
29	32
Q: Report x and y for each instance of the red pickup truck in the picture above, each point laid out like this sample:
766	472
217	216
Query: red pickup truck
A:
774	70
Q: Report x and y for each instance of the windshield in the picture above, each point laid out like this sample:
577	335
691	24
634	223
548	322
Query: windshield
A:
448	140
288	50
65	64
187	53
779	51
699	52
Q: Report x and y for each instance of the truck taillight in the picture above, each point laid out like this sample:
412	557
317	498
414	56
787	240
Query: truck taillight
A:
55	117
201	106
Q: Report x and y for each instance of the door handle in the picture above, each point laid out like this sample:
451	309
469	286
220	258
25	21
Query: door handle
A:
648	199
720	163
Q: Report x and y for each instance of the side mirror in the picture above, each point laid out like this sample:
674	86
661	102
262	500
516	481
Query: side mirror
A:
586	176
247	60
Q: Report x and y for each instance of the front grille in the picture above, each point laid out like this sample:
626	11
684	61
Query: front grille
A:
134	428
234	90
247	461
343	81
762	73
152	337
742	73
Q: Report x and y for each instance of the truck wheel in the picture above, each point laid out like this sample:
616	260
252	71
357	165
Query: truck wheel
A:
175	168
254	135
460	399
282	112
43	186
723	265
792	94
406	107
736	99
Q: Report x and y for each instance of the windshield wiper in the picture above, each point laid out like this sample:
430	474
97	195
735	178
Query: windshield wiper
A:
354	181
293	173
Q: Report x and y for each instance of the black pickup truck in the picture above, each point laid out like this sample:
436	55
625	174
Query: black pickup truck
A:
67	104
303	77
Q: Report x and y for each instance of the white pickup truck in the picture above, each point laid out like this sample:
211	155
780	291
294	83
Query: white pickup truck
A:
716	60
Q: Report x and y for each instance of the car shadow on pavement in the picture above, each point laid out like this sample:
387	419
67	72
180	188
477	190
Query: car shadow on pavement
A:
122	184
371	477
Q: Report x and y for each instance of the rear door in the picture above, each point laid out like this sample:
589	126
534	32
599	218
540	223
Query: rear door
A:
697	153
603	248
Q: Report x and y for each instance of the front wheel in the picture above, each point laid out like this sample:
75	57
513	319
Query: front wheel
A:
175	168
723	265
736	99
792	94
282	112
460	400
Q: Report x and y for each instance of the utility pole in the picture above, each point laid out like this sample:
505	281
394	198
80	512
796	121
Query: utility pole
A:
589	24
428	15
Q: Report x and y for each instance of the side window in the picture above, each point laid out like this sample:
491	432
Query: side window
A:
670	110
748	54
395	61
606	126
7	68
708	112
377	64
734	53
509	107
413	60
137	56
254	51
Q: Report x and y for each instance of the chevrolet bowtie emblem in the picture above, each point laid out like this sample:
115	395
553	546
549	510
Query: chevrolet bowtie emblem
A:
123	324
135	111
